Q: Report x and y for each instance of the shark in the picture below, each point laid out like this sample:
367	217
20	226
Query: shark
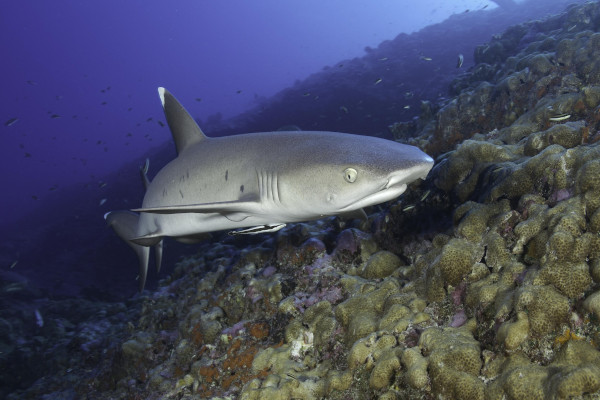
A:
258	182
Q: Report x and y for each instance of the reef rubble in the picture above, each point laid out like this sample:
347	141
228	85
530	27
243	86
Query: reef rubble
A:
481	282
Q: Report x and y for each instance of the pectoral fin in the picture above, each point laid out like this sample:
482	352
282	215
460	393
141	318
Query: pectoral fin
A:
258	229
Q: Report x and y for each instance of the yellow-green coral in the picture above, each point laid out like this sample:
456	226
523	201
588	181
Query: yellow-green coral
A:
380	265
574	372
512	334
456	259
571	279
567	135
454	362
416	366
547	309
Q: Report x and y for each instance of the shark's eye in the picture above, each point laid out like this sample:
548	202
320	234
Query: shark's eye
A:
350	174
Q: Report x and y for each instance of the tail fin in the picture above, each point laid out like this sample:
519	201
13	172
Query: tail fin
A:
125	223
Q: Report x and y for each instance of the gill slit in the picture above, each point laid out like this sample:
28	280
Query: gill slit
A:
268	186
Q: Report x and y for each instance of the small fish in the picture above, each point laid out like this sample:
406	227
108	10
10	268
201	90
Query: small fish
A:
306	94
55	116
426	58
408	208
340	65
129	109
378	81
13	287
461	59
34	197
149	119
102	201
572	27
425	195
39	321
14	264
129	134
560	117
27	155
101	184
160	123
103	103
344	109
32	83
11	121
383	59
58	97
198	99
407	107
239	91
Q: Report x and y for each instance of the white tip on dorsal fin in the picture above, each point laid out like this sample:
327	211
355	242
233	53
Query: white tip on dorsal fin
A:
184	129
161	94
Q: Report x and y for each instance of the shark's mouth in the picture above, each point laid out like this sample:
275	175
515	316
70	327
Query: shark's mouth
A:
389	191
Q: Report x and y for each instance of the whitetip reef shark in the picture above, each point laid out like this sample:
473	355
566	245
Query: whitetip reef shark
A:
260	181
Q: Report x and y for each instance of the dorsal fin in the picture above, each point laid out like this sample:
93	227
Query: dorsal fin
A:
184	129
